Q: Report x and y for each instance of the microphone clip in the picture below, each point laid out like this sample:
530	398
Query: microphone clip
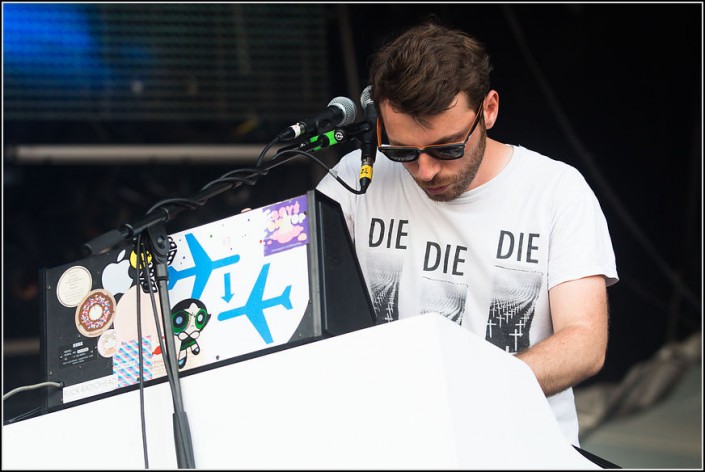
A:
335	136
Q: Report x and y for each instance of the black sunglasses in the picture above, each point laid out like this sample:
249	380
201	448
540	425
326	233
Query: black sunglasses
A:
439	151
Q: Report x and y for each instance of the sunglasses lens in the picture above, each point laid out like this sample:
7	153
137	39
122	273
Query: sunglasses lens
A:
447	152
400	155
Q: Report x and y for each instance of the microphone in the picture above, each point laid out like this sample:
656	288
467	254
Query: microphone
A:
368	139
340	111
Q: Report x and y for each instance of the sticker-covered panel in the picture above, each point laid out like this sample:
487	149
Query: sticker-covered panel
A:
236	286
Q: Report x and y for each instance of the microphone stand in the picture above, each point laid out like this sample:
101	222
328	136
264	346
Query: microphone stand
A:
158	243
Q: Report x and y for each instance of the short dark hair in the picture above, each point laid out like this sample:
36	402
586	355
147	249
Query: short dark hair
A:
423	69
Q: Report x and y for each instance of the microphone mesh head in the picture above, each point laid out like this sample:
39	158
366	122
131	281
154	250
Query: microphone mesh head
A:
365	98
348	107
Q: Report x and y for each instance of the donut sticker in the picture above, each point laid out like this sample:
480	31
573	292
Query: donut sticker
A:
73	286
95	313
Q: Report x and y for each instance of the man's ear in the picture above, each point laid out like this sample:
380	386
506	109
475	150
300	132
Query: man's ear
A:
491	108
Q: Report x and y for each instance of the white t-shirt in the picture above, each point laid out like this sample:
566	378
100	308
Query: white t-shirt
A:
485	260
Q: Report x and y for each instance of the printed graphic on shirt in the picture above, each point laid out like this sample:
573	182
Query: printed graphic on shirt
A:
384	275
445	298
511	312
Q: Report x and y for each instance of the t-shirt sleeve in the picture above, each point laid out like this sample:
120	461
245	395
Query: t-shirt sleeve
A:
580	240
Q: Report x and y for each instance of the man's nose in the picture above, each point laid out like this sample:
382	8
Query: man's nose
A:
427	167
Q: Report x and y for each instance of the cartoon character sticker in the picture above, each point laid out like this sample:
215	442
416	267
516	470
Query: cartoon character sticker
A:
189	317
108	343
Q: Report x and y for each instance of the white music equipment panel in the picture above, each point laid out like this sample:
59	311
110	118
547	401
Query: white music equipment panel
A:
420	393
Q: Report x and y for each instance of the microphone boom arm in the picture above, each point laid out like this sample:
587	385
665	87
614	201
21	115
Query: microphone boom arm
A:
107	241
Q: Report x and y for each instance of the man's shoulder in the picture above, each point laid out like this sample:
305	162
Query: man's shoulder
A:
543	165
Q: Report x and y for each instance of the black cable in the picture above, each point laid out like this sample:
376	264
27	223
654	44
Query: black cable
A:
138	286
292	151
238	171
226	178
229	177
185	202
157	322
143	266
184	447
331	171
171	207
260	158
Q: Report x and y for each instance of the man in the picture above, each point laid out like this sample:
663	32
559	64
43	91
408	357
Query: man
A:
504	241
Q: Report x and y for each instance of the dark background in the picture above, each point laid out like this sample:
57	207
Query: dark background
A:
612	89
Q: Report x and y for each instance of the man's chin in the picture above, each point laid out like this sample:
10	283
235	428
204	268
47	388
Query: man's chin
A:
444	193
437	190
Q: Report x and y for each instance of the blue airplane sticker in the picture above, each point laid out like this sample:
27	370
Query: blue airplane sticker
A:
202	268
256	304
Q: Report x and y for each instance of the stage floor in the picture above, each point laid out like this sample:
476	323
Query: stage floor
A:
666	435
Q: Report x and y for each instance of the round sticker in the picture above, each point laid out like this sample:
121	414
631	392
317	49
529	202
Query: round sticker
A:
95	313
73	286
108	343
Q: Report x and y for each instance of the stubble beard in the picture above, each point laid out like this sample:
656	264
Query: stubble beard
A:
458	184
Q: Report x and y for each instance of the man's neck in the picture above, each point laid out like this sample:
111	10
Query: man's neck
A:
497	156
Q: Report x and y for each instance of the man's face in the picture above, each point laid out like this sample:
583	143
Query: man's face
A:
442	180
